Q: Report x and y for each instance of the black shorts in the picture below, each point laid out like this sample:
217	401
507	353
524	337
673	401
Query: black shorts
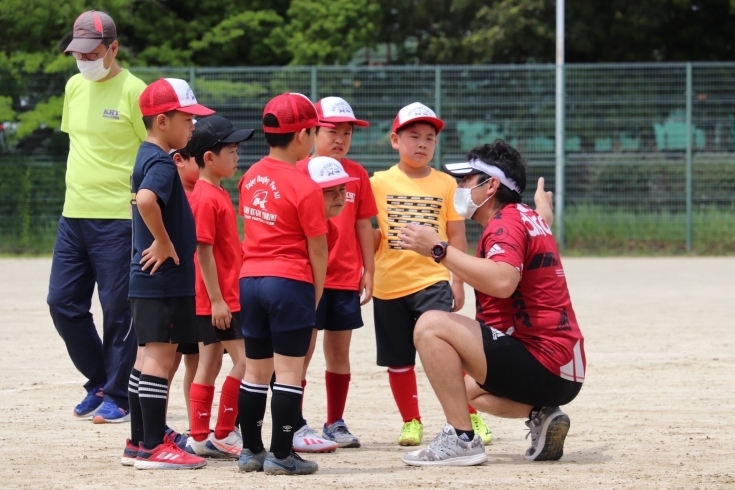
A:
188	349
513	373
209	334
395	320
339	310
164	320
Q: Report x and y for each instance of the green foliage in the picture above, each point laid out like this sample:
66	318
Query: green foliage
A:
330	32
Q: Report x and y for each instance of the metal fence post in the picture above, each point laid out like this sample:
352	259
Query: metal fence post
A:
313	85
192	78
689	183
560	163
438	111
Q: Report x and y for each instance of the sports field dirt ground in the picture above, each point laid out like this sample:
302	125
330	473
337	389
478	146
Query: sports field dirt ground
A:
657	410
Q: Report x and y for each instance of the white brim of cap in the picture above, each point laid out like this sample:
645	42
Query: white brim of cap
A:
459	169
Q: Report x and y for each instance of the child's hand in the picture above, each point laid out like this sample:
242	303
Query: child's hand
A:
157	254
366	287
221	315
458	292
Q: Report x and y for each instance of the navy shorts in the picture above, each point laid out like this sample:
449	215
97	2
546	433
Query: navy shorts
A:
339	310
275	305
395	320
209	334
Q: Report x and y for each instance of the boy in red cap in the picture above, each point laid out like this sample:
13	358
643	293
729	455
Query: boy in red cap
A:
161	288
214	143
349	276
281	281
407	285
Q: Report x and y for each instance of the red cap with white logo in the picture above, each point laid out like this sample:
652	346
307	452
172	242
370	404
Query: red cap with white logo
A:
327	172
337	110
416	112
170	94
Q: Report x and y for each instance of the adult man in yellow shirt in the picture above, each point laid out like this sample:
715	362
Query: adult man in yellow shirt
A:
93	241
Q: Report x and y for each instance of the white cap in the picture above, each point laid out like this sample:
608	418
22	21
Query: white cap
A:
328	172
476	166
416	112
337	110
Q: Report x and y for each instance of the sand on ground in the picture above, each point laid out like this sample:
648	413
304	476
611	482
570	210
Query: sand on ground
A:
656	410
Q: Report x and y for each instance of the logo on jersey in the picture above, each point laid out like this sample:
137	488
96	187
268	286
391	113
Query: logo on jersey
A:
260	198
494	250
111	114
350	197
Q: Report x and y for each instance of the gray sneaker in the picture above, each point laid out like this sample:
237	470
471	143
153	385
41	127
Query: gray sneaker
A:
293	464
548	429
249	461
337	432
448	450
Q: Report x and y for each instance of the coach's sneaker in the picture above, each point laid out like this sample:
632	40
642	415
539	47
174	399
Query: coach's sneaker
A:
206	448
293	464
249	461
167	456
130	454
231	445
337	432
411	434
173	436
109	413
548	428
306	440
481	428
448	450
90	404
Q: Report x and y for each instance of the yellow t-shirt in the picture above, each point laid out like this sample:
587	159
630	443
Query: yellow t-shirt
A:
402	200
105	129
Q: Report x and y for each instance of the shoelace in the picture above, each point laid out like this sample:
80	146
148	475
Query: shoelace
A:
341	429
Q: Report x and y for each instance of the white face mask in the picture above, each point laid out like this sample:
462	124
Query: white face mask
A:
94	70
463	203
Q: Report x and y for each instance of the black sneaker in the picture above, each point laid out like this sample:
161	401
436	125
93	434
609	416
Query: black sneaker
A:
293	464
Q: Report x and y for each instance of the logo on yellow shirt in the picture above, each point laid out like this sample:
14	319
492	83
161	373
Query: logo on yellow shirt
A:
111	114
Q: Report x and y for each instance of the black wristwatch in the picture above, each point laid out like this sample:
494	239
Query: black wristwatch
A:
439	251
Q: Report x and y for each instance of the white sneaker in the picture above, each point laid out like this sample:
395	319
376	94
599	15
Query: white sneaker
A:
306	440
448	450
206	448
548	429
232	444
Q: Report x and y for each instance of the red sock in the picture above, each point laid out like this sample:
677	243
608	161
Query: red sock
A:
472	409
337	387
201	397
405	392
227	412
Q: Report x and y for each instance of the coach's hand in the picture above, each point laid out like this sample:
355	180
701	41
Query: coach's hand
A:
155	255
544	202
419	238
221	315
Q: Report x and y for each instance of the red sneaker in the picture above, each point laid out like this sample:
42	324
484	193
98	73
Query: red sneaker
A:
130	454
167	456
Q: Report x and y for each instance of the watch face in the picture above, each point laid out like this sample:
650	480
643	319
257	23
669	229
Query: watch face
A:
437	250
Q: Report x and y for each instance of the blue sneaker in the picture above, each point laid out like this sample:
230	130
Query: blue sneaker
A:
109	413
175	437
90	404
293	464
249	461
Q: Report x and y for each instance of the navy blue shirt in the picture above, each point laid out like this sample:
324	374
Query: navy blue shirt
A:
155	170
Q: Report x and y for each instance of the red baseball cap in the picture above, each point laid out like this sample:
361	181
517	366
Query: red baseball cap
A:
337	110
170	94
416	112
89	30
294	112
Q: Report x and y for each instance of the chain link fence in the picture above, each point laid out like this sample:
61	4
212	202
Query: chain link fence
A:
649	148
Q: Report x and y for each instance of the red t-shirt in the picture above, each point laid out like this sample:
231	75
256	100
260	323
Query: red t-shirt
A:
344	269
539	313
332	234
216	225
281	207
